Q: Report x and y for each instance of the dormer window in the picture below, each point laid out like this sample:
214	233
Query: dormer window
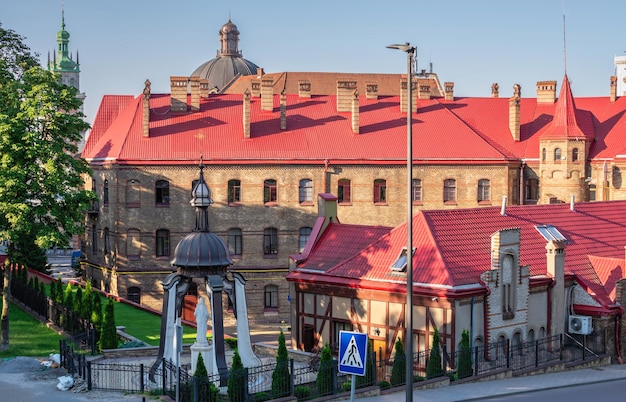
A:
399	264
550	233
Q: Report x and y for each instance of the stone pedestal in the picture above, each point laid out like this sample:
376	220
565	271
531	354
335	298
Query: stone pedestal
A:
208	356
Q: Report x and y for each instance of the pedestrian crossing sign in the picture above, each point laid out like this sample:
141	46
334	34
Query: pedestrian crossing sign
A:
352	352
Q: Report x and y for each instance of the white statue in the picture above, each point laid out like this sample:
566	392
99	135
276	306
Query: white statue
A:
202	316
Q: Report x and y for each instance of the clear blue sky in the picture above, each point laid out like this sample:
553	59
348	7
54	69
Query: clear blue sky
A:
472	43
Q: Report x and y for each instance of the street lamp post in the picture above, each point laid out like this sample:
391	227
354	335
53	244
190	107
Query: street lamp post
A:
408	337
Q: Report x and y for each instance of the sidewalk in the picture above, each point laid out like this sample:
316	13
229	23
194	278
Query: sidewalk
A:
479	390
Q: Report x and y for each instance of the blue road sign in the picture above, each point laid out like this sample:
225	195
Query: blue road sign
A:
352	352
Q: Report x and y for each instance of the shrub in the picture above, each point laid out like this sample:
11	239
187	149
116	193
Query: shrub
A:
324	381
433	366
280	376
384	385
464	365
302	392
346	386
231	342
87	302
237	386
78	301
207	391
262	396
398	370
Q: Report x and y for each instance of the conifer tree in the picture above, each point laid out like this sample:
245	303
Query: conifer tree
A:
324	380
280	376
108	339
237	387
87	302
433	366
464	365
78	301
398	370
96	316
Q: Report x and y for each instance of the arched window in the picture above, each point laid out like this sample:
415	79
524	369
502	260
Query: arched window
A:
306	191
484	190
107	246
94	239
134	294
305	233
380	191
343	191
270	296
449	190
234	191
162	243
508	287
162	192
557	154
133	193
269	191
270	241
543	154
235	241
133	244
416	190
105	193
575	155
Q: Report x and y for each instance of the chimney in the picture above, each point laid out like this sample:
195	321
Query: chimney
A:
345	91
404	96
194	83
178	94
355	112
555	266
503	207
283	111
146	109
259	72
304	89
613	94
495	90
572	198
204	88
449	90
256	88
371	90
424	90
246	114
267	94
514	117
546	91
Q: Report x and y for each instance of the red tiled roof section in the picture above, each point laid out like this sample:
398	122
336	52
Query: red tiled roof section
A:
453	247
109	110
351	238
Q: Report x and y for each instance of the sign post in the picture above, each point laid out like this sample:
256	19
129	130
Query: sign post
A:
352	356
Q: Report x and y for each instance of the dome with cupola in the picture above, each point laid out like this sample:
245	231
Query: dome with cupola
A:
229	62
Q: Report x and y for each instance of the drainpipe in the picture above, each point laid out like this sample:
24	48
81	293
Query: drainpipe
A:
521	184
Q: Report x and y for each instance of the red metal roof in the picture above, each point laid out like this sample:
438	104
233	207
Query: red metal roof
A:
453	247
464	130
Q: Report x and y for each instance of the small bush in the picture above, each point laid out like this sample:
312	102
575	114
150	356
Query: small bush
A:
262	397
384	385
346	386
231	342
398	370
302	392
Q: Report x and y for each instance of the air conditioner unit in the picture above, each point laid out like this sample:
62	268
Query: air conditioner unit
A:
580	324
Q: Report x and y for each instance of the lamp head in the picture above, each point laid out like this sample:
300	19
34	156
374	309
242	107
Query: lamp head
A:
405	47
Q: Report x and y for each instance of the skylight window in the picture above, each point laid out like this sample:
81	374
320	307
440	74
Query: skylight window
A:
399	264
550	233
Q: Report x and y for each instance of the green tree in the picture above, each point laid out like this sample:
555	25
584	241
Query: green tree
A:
41	186
398	370
96	316
27	253
280	376
78	301
433	366
108	338
237	386
464	365
324	382
85	311
207	391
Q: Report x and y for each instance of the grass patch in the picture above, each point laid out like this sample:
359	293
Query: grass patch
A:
28	336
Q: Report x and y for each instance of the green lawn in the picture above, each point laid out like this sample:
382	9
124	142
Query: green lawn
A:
28	336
